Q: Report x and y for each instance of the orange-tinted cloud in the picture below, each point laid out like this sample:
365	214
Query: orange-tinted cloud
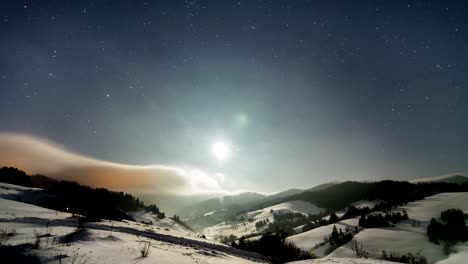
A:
38	156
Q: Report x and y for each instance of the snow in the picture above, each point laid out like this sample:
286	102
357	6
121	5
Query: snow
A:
111	241
343	261
16	188
364	203
241	226
404	237
15	192
461	256
147	217
296	206
308	240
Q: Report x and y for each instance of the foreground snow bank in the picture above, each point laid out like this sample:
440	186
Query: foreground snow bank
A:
108	241
343	261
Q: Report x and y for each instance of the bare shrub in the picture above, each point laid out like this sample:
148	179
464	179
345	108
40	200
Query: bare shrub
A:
37	241
80	223
6	233
358	249
145	249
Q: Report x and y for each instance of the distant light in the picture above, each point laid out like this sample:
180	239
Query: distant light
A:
220	150
241	119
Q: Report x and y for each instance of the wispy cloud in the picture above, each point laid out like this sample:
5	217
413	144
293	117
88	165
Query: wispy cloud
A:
35	155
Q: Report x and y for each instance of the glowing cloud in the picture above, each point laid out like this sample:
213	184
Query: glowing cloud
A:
38	156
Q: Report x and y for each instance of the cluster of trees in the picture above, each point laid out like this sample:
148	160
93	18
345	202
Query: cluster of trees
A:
177	219
260	224
453	230
352	211
154	209
408	258
358	249
275	247
379	220
288	221
338	238
14	176
227	240
95	203
319	221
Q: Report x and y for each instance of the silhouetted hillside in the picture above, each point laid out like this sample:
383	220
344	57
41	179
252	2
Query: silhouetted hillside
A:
14	176
41	181
95	203
338	196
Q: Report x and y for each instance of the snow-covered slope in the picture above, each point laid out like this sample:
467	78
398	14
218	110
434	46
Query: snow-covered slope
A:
308	240
242	226
20	193
107	241
297	206
165	223
342	261
405	237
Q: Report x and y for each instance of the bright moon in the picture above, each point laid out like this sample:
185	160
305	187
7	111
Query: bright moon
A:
220	150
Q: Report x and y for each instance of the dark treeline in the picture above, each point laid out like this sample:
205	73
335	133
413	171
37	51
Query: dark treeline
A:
379	220
394	192
95	203
14	176
408	258
177	219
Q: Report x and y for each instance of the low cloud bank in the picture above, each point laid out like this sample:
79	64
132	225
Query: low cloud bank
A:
39	156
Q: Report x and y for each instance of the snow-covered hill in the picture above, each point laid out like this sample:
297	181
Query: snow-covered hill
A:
15	192
242	226
308	240
405	237
106	241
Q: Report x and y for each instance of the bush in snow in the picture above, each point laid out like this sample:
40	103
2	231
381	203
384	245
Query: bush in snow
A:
6	233
408	258
145	249
358	249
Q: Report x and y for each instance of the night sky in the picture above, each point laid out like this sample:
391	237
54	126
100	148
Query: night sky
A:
303	92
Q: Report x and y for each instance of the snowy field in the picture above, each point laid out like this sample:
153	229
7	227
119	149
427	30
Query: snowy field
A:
307	240
110	241
241	226
405	237
342	261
